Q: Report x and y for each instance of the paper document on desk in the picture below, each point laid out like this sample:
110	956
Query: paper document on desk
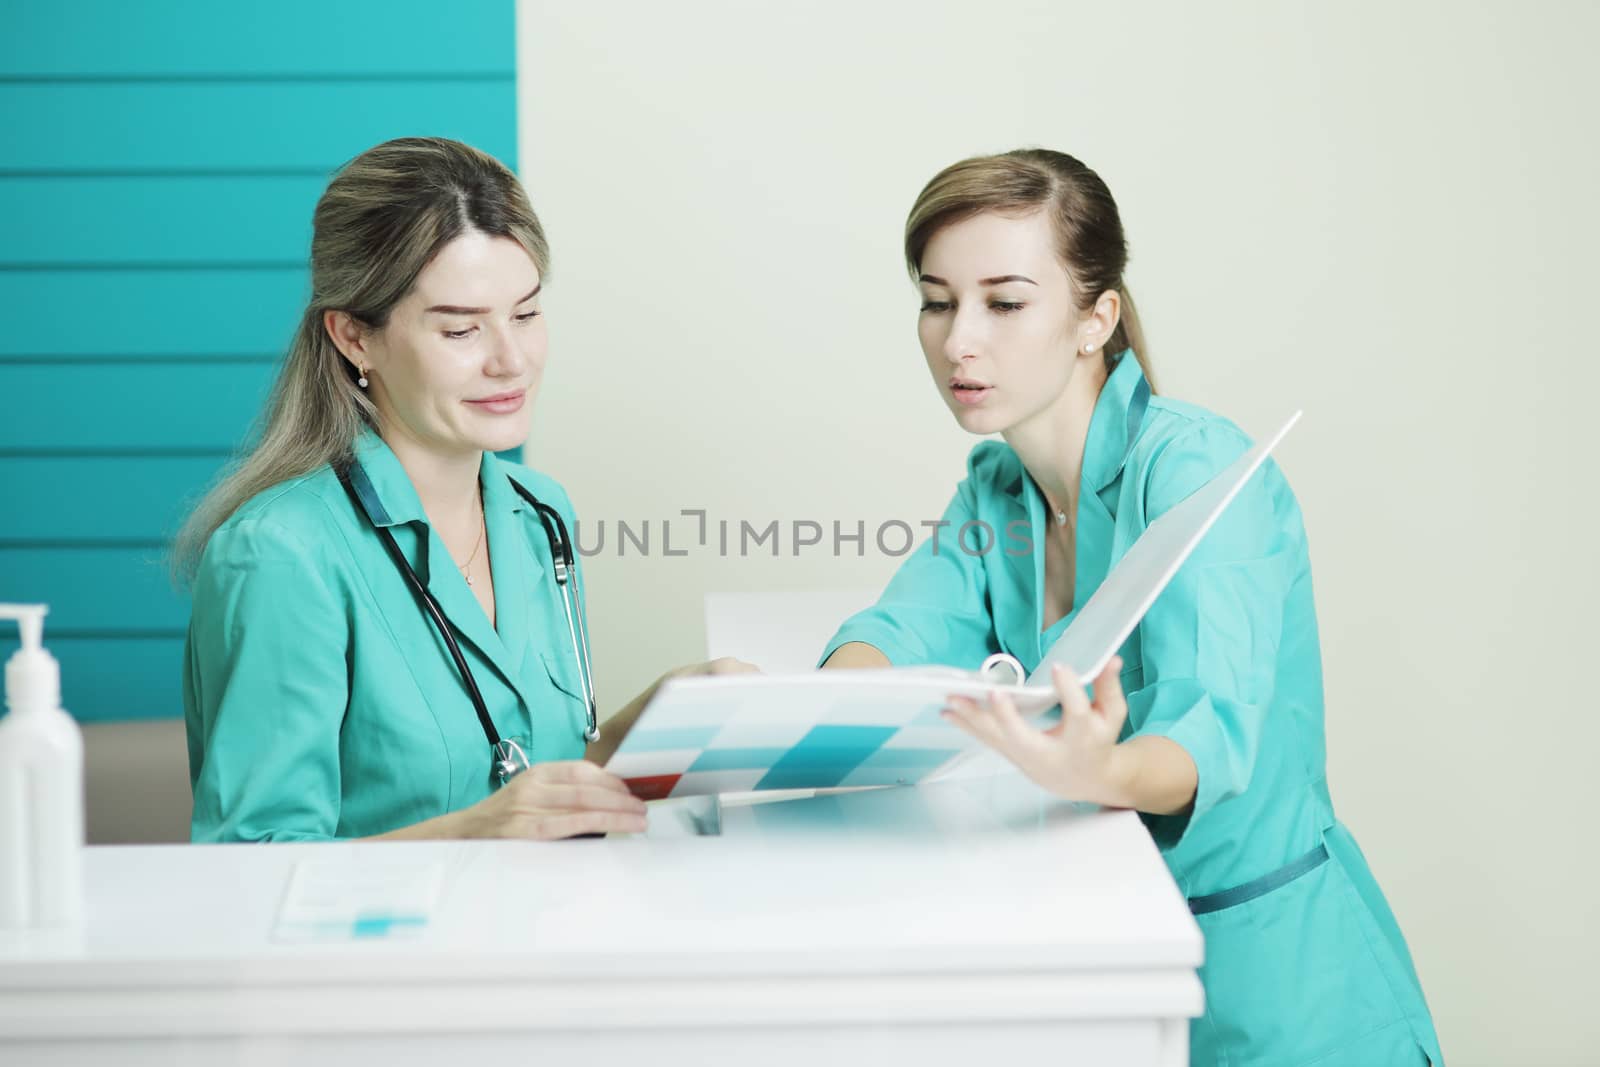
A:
827	729
348	895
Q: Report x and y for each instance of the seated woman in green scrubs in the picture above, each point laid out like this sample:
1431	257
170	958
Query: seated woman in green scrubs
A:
1211	722
321	697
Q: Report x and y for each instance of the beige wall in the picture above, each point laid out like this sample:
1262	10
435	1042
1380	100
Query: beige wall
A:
1382	213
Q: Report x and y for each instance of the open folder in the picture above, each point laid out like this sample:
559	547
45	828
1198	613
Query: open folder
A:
825	729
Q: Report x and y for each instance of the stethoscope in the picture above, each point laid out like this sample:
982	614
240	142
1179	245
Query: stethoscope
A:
507	756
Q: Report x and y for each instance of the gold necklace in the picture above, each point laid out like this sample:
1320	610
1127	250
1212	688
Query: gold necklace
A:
483	529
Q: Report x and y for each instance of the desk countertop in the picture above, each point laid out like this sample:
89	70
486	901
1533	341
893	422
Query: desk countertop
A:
846	896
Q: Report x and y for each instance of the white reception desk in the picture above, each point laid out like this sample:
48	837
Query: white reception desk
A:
972	922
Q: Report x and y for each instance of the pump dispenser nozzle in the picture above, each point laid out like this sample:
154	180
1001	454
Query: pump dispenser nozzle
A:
33	678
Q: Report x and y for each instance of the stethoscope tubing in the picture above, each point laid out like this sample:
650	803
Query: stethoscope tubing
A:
565	570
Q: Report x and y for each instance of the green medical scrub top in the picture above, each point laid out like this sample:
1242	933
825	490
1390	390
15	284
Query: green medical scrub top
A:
321	701
1304	960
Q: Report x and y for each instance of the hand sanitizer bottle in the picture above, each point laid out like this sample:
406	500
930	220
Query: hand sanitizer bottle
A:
41	787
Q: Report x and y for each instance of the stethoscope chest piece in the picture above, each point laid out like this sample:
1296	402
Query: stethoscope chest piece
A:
509	760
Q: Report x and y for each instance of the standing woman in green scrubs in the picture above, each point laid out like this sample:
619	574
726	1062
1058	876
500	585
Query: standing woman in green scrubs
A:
320	696
1210	723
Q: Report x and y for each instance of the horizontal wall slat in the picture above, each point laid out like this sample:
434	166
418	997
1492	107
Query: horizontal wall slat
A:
249	126
199	221
286	37
78	407
83	499
95	589
108	679
113	314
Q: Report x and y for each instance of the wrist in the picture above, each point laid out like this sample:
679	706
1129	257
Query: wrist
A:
466	824
1117	784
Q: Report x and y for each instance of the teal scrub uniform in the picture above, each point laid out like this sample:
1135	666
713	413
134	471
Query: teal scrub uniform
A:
1304	960
321	701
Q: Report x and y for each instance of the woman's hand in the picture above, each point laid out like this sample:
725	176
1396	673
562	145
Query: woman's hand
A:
1079	757
553	800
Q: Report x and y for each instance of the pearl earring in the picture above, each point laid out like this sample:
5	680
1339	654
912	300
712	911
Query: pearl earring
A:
362	381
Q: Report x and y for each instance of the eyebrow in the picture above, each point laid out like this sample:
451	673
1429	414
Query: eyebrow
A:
998	279
456	309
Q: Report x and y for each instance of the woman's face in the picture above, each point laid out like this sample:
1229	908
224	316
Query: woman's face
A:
998	326
456	367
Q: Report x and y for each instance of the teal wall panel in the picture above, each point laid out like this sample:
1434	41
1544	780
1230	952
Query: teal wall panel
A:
281	40
159	163
297	126
193	313
116	499
116	407
74	581
149	221
127	676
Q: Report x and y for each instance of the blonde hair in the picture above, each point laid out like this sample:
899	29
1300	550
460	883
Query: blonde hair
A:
1088	228
383	218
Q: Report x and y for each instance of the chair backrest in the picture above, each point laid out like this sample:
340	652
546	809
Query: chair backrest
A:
780	632
136	782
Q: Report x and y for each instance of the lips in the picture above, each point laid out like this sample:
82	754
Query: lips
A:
969	391
501	403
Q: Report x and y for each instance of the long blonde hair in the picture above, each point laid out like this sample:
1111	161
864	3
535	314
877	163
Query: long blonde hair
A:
382	219
1088	228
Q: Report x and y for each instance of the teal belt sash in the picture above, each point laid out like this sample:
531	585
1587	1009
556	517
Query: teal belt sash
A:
1258	887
